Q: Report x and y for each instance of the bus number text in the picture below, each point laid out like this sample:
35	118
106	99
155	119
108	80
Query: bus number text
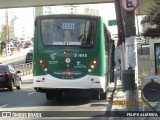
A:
80	55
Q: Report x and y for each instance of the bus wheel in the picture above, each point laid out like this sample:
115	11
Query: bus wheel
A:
49	95
95	95
58	95
103	96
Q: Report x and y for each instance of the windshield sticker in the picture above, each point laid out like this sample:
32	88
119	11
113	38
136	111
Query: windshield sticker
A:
74	43
66	43
57	43
68	26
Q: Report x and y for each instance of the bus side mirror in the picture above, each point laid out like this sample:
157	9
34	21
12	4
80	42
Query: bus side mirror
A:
18	71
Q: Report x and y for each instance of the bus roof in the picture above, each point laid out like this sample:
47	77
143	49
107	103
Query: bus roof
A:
66	16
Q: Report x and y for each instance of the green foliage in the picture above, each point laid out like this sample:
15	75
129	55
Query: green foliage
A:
144	73
3	34
151	11
3	45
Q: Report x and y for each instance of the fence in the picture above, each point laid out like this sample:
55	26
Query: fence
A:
25	69
143	49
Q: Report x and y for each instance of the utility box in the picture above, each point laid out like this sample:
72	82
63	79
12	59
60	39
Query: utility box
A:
128	80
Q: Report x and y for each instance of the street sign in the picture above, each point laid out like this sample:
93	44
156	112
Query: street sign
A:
112	22
129	5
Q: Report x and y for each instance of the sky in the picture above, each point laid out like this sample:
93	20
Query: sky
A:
24	13
107	11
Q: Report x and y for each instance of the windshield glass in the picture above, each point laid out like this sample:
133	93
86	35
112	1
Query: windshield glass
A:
68	32
3	68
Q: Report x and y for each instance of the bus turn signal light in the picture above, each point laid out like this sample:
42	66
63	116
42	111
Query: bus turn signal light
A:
43	65
40	61
92	66
94	62
70	52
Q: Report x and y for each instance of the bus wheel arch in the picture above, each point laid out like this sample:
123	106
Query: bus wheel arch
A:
95	94
49	95
103	95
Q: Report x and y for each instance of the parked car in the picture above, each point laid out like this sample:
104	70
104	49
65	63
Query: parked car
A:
9	77
29	56
117	70
28	44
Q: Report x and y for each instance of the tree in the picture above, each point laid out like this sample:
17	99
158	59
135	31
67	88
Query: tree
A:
3	34
155	8
3	45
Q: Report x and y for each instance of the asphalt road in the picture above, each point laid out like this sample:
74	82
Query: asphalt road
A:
16	61
27	99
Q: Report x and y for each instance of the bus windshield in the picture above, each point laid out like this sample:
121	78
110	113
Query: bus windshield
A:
77	32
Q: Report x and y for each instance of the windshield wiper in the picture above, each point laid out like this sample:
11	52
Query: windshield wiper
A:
81	36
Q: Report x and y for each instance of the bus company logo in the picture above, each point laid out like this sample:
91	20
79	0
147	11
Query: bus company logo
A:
52	55
78	62
67	60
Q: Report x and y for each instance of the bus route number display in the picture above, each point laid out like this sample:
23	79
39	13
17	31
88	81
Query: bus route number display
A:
68	25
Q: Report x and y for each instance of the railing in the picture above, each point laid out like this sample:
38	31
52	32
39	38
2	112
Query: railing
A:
143	49
25	69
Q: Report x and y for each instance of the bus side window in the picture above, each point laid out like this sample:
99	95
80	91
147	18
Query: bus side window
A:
106	40
46	34
49	32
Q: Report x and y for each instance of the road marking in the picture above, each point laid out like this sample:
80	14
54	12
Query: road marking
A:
30	93
3	106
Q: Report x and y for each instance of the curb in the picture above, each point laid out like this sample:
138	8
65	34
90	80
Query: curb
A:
30	76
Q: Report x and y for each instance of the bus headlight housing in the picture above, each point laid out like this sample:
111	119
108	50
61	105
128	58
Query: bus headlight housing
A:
42	63
93	64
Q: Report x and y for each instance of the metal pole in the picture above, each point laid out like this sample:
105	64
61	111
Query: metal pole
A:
127	35
6	31
121	31
131	58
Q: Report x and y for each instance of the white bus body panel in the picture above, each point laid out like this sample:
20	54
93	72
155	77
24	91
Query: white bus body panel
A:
86	82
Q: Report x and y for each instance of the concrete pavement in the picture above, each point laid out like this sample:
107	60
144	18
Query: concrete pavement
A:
27	77
120	104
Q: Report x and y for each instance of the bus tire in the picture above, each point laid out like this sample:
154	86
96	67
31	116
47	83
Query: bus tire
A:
49	96
103	96
11	87
95	95
58	95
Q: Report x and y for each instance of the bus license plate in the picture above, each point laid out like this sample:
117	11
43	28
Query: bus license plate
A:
67	72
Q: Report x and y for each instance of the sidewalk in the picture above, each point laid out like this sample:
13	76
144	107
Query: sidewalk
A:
27	77
120	97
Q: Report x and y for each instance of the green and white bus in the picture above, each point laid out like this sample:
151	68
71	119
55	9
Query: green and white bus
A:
72	53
